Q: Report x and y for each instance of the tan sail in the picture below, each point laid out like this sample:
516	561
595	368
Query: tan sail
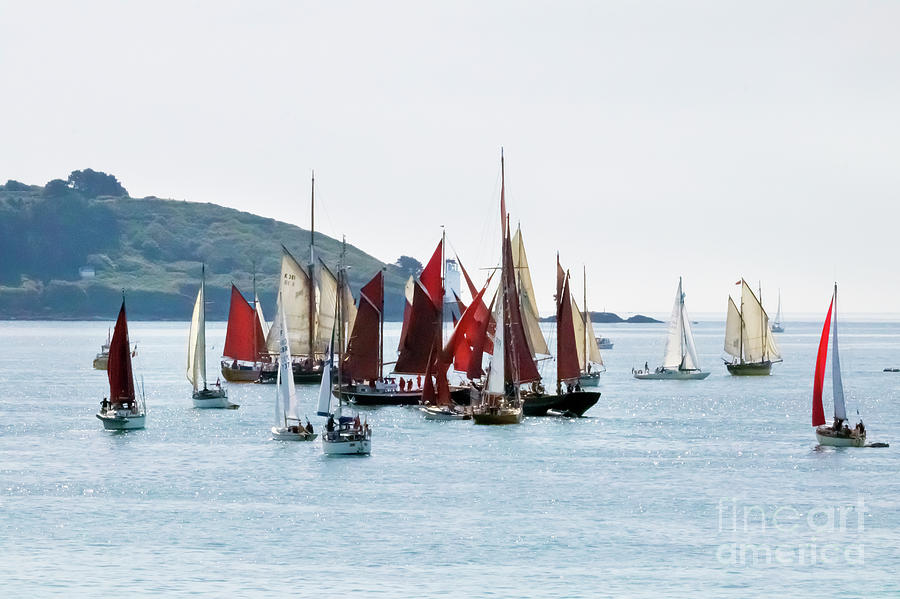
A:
326	307
733	331
756	326
348	313
527	300
293	291
593	349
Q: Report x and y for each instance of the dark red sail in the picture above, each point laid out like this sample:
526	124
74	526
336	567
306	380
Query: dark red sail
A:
520	366
466	344
244	339
363	359
567	366
431	276
118	369
422	330
818	411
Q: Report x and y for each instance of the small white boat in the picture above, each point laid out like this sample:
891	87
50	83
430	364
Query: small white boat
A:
680	361
778	325
287	419
604	343
123	410
205	397
838	434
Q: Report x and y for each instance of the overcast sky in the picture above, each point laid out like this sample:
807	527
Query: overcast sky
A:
645	140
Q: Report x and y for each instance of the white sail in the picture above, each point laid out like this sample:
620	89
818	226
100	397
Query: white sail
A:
259	315
733	330
324	406
348	311
326	307
496	383
196	366
756	327
293	291
593	350
580	333
840	410
674	354
527	301
285	392
778	312
691	361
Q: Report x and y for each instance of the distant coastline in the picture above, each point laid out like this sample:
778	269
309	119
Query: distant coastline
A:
612	317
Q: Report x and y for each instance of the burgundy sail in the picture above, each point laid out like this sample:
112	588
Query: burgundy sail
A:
421	332
567	366
121	380
363	359
520	366
244	339
431	276
818	411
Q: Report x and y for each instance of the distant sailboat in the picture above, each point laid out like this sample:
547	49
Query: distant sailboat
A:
591	360
245	340
102	357
778	325
196	357
680	361
344	435
747	336
287	417
122	410
838	434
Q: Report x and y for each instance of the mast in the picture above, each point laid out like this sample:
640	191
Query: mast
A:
584	315
681	322
255	348
312	266
381	330
202	332
763	325
339	320
742	319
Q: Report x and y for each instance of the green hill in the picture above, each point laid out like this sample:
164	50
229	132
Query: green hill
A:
69	248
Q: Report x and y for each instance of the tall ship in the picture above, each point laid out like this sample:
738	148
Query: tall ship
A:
748	339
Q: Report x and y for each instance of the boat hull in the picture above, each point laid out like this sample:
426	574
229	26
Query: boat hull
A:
590	380
436	413
827	437
285	434
100	362
120	423
301	377
497	416
672	375
366	396
212	398
240	375
776	328
344	445
750	368
577	402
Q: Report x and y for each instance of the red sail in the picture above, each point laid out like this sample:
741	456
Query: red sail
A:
422	331
818	412
567	366
431	276
469	283
520	365
467	336
443	385
428	394
363	350
243	326
121	380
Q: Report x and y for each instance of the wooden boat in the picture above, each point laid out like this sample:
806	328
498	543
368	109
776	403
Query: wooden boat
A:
207	397
123	410
344	435
102	357
680	361
245	339
310	297
747	336
838	434
287	425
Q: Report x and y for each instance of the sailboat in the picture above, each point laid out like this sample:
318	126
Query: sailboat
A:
363	360
747	336
344	435
122	410
572	352
216	397
591	360
838	434
245	339
287	418
309	295
680	360
778	325
102	356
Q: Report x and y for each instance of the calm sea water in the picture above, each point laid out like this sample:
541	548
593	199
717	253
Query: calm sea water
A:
667	489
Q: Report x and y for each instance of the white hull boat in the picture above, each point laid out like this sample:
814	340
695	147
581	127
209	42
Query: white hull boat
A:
347	443
121	420
590	380
444	413
292	433
671	375
826	436
213	398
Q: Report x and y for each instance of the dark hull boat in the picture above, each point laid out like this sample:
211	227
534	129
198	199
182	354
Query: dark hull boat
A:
575	403
364	395
748	339
749	368
301	375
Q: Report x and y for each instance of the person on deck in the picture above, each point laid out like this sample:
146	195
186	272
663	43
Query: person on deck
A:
418	381
402	385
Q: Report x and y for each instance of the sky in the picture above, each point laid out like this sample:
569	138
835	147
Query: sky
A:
643	140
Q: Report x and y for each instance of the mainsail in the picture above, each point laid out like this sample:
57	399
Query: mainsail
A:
818	411
244	337
118	370
422	324
568	362
840	410
520	366
286	393
733	331
527	301
363	358
196	361
747	333
680	354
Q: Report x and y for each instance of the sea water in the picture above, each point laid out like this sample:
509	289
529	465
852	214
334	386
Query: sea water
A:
665	489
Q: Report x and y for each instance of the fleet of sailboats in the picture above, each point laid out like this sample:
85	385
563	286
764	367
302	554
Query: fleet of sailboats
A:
748	339
205	397
680	361
123	409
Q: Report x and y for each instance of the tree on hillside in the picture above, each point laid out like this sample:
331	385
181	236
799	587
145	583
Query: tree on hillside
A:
409	266
56	188
13	185
93	183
